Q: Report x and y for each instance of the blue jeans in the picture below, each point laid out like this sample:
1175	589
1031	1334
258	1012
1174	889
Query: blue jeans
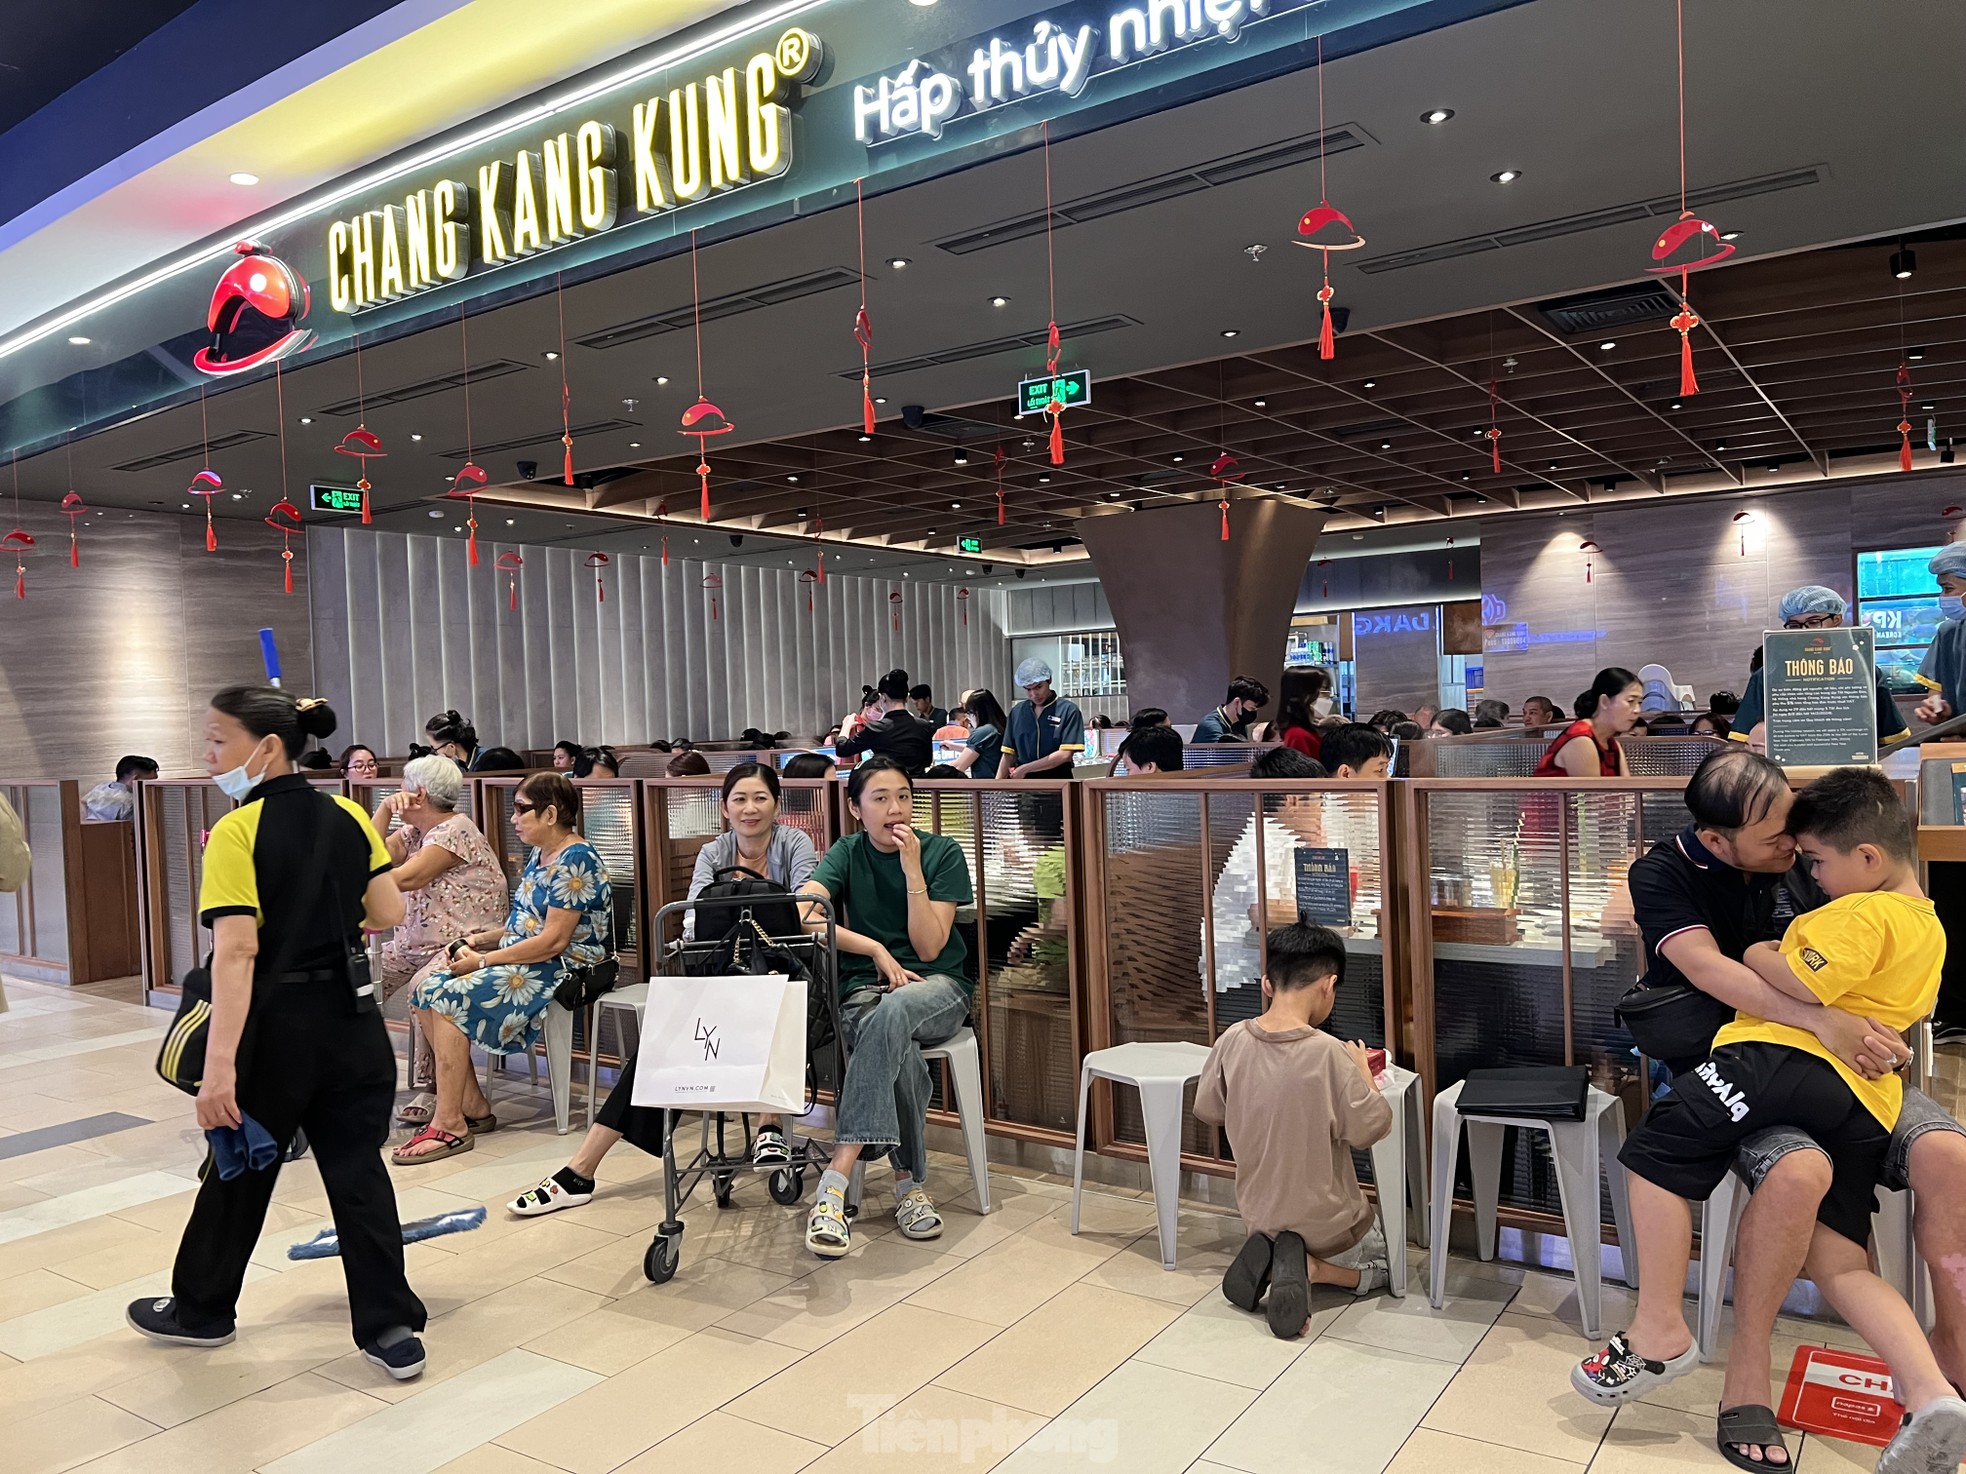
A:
1760	1152
884	1098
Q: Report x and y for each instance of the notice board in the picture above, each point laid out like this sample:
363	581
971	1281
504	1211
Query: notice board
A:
1821	692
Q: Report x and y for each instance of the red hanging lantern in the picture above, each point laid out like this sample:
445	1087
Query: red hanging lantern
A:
1590	550
599	562
808	578
73	507
962	603
1684	246
207	485
863	325
465	483
713	583
702	419
1055	407
819	541
894	606
1904	416
566	394
1227	470
1494	429
509	564
1326	228
364	445
661	511
284	518
19	541
999	463
1742	522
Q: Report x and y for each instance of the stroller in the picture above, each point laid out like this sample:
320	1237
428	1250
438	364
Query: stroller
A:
818	954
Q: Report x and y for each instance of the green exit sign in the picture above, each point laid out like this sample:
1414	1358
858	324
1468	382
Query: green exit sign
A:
969	545
1073	390
335	499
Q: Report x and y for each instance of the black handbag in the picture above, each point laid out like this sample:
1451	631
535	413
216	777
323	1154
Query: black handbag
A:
582	986
1675	1022
768	902
747	948
1544	1092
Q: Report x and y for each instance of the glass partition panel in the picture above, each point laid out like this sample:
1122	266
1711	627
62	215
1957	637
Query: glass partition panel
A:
1028	948
34	919
174	819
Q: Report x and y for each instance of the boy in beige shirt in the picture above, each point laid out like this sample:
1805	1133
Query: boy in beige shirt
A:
1295	1101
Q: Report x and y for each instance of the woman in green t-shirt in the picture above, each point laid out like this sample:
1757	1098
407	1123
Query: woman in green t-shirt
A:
895	891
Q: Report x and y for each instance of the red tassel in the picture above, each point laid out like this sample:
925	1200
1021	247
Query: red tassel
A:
601	593
665	550
1450	570
74	553
822	565
20	583
866	404
1057	439
513	585
1687	383
1225	520
703	470
1327	343
1904	448
363	485
290	570
569	463
471	547
999	505
1495	443
211	537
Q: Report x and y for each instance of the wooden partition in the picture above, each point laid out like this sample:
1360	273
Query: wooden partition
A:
75	920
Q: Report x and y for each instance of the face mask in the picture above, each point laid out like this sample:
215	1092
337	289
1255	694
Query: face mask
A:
1952	606
236	784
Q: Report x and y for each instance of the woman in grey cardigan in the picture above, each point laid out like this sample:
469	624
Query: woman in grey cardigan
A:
757	842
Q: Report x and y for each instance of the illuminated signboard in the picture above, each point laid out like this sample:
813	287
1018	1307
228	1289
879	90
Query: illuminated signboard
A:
1062	56
335	499
704	138
969	544
1072	390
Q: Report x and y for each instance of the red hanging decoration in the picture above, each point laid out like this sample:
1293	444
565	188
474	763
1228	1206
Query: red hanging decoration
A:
71	504
470	476
1326	228
819	539
1226	470
1904	416
566	394
962	603
1450	560
1590	550
999	460
20	540
1325	563
1743	521
1494	429
808	578
361	442
702	419
863	325
509	564
1683	246
598	562
206	483
284	519
662	511
1055	407
713	582
894	605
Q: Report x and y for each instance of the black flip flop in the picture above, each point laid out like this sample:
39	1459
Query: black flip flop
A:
1290	1287
1245	1280
1751	1423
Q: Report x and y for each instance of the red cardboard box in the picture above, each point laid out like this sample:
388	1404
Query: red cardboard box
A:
1841	1395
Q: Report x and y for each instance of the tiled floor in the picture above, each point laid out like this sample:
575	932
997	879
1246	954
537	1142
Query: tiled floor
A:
1009	1342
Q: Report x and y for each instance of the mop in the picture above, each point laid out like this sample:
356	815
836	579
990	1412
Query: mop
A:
326	1245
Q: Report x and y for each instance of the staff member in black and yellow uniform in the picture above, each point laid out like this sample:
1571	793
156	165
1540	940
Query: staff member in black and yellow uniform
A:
291	877
1813	607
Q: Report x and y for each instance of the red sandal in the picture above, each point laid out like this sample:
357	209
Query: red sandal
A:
451	1145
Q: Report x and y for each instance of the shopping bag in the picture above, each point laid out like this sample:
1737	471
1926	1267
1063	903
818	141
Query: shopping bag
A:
735	1043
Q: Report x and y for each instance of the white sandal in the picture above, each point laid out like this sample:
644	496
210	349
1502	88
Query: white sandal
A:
827	1234
549	1197
917	1217
418	1110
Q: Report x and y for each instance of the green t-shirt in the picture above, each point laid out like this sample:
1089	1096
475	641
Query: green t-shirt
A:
1048	881
867	885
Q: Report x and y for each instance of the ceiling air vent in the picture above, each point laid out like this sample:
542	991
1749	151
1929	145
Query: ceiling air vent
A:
196	452
677	319
1602	312
520	442
1068	331
496	368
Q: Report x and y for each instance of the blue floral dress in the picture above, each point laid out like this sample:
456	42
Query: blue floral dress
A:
499	1007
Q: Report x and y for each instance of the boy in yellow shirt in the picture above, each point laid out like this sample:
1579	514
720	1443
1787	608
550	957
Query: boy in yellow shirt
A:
1876	950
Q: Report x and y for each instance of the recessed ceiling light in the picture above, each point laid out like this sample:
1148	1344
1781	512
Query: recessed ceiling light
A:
1262	404
791	478
307	419
962	458
1720	445
1437	115
1370	384
1479	432
1928	406
634	445
1232	332
1044	480
1677	404
457	529
1385	445
880	399
436	511
661	379
511	522
899	263
1915	354
955	506
1607	345
79	341
242	177
1000	301
1904	262
1507	176
865	438
416	437
1730	235
238	496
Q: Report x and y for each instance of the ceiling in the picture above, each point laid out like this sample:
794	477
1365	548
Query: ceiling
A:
1795	359
47	49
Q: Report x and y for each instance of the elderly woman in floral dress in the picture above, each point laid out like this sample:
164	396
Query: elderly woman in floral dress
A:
498	985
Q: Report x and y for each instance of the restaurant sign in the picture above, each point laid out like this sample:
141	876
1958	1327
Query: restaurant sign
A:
668	151
1061	53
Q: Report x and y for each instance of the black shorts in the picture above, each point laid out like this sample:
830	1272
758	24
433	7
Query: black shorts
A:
1688	1140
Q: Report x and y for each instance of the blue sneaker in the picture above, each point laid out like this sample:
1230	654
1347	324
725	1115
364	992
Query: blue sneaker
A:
402	1361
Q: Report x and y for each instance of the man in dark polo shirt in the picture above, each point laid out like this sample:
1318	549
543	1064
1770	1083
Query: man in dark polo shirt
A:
1701	899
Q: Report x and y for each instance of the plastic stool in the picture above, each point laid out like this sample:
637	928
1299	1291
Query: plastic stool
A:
1580	1150
630	1000
1399	1160
966	1073
559	1065
1160	1072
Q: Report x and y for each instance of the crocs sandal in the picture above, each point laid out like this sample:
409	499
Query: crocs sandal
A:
1618	1374
553	1193
826	1232
917	1217
419	1109
481	1125
1932	1440
1245	1280
1751	1423
770	1151
449	1146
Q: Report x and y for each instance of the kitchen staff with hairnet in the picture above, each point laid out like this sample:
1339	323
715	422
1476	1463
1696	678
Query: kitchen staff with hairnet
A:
1047	732
1943	670
1813	607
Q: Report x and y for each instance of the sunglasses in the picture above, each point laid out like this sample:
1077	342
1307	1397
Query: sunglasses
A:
1810	622
520	806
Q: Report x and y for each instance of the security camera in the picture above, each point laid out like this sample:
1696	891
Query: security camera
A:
528	470
1020	573
988	569
737	539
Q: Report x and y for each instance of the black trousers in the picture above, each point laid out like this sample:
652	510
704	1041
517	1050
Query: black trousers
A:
309	1061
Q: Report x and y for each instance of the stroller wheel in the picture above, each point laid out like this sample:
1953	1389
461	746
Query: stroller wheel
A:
665	1252
721	1187
787	1186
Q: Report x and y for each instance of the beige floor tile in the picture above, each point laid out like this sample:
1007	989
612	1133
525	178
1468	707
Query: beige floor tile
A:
1819	1455
839	1295
646	1318
263	1357
607	1425
1428	1452
1412	1325
719	1440
30	1388
1515	1391
36	1289
1146	1419
1699	1390
826	1398
483	1268
253	1431
96	1313
1215	1339
489	1458
473	1335
1060	1350
933	1430
1644	1439
1004	1284
1555	1295
154	1253
55	1248
166	1215
81	1430
1197	1274
1316	1405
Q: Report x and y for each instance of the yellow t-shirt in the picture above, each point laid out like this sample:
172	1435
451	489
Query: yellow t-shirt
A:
1876	954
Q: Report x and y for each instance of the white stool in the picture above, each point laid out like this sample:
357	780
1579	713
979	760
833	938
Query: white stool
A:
629	1000
966	1073
1580	1150
559	1065
1160	1072
1399	1173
